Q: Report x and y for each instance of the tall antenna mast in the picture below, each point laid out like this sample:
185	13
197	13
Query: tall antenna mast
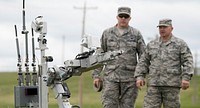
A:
24	31
34	74
19	64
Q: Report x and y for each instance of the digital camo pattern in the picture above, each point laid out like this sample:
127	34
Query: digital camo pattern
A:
166	64
165	22
119	94
124	10
156	96
119	88
121	69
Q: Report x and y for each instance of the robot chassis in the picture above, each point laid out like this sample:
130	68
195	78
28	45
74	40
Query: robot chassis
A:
34	93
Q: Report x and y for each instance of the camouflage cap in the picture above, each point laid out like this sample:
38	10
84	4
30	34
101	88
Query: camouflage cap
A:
165	22
124	10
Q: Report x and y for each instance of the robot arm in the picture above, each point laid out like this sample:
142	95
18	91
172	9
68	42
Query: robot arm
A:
84	62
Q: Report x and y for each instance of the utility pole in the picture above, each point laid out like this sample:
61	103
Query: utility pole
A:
195	65
195	84
63	49
84	8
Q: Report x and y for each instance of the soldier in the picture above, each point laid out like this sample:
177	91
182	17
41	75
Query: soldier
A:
169	64
119	84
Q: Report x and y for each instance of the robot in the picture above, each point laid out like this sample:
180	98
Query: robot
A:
34	93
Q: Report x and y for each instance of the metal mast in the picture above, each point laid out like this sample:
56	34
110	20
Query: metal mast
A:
34	74
24	31
19	64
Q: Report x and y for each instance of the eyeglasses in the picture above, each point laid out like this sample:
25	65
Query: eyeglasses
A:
123	16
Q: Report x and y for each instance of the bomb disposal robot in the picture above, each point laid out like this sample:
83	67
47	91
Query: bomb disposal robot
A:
83	62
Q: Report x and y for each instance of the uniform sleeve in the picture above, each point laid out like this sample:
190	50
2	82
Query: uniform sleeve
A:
142	67
104	42
97	72
186	62
140	45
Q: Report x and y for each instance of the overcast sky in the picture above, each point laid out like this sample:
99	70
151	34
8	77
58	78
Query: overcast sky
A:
63	20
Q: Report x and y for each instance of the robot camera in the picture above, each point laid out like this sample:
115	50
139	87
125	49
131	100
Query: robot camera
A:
38	25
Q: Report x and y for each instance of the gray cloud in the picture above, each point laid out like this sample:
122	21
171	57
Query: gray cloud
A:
63	20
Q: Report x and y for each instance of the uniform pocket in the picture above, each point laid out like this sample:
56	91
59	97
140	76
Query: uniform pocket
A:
110	67
173	54
174	71
130	67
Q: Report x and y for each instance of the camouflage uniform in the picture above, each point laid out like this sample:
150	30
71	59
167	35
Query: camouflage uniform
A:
119	87
166	64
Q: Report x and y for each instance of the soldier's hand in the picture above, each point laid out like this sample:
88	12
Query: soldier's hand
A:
96	82
140	83
185	84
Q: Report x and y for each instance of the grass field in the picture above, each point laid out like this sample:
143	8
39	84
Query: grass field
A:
91	99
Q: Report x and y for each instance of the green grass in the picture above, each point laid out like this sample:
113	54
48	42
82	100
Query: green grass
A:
189	98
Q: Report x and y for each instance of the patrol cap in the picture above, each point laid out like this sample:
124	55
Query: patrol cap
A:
165	22
124	10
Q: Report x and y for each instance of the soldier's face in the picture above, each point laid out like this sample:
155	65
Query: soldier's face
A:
165	31
123	20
